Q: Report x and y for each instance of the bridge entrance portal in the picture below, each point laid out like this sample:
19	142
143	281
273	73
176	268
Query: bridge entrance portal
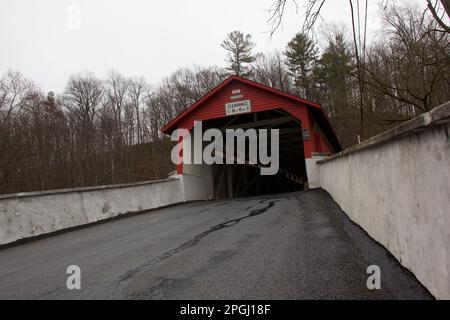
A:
305	136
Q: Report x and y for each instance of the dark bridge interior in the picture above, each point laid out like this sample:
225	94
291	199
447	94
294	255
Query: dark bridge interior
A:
243	180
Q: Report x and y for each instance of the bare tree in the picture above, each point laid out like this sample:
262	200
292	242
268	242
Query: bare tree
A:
136	92
313	8
271	70
311	13
83	97
116	90
411	65
16	94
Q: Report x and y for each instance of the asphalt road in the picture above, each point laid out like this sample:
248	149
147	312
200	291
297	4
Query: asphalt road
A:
288	246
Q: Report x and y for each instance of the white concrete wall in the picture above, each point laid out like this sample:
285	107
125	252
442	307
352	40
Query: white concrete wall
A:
31	214
197	179
195	188
312	170
399	192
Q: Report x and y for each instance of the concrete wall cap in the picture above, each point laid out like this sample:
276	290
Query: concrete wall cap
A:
82	189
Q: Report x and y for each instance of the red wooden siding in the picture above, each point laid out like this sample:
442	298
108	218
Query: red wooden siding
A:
321	143
261	100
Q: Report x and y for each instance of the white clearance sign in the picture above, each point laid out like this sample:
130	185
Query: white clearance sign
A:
238	107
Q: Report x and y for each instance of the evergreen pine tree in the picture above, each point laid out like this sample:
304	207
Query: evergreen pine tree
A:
239	47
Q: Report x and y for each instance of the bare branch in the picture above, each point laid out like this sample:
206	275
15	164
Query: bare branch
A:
436	17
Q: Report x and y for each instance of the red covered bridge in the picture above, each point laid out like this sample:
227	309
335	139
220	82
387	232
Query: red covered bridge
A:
305	136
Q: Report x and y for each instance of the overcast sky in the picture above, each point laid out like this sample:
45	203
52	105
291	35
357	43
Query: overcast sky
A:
44	40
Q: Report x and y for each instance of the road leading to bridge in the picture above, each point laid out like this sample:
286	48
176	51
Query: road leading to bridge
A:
288	246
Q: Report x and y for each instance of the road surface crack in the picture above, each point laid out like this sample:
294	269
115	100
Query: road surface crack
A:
128	277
